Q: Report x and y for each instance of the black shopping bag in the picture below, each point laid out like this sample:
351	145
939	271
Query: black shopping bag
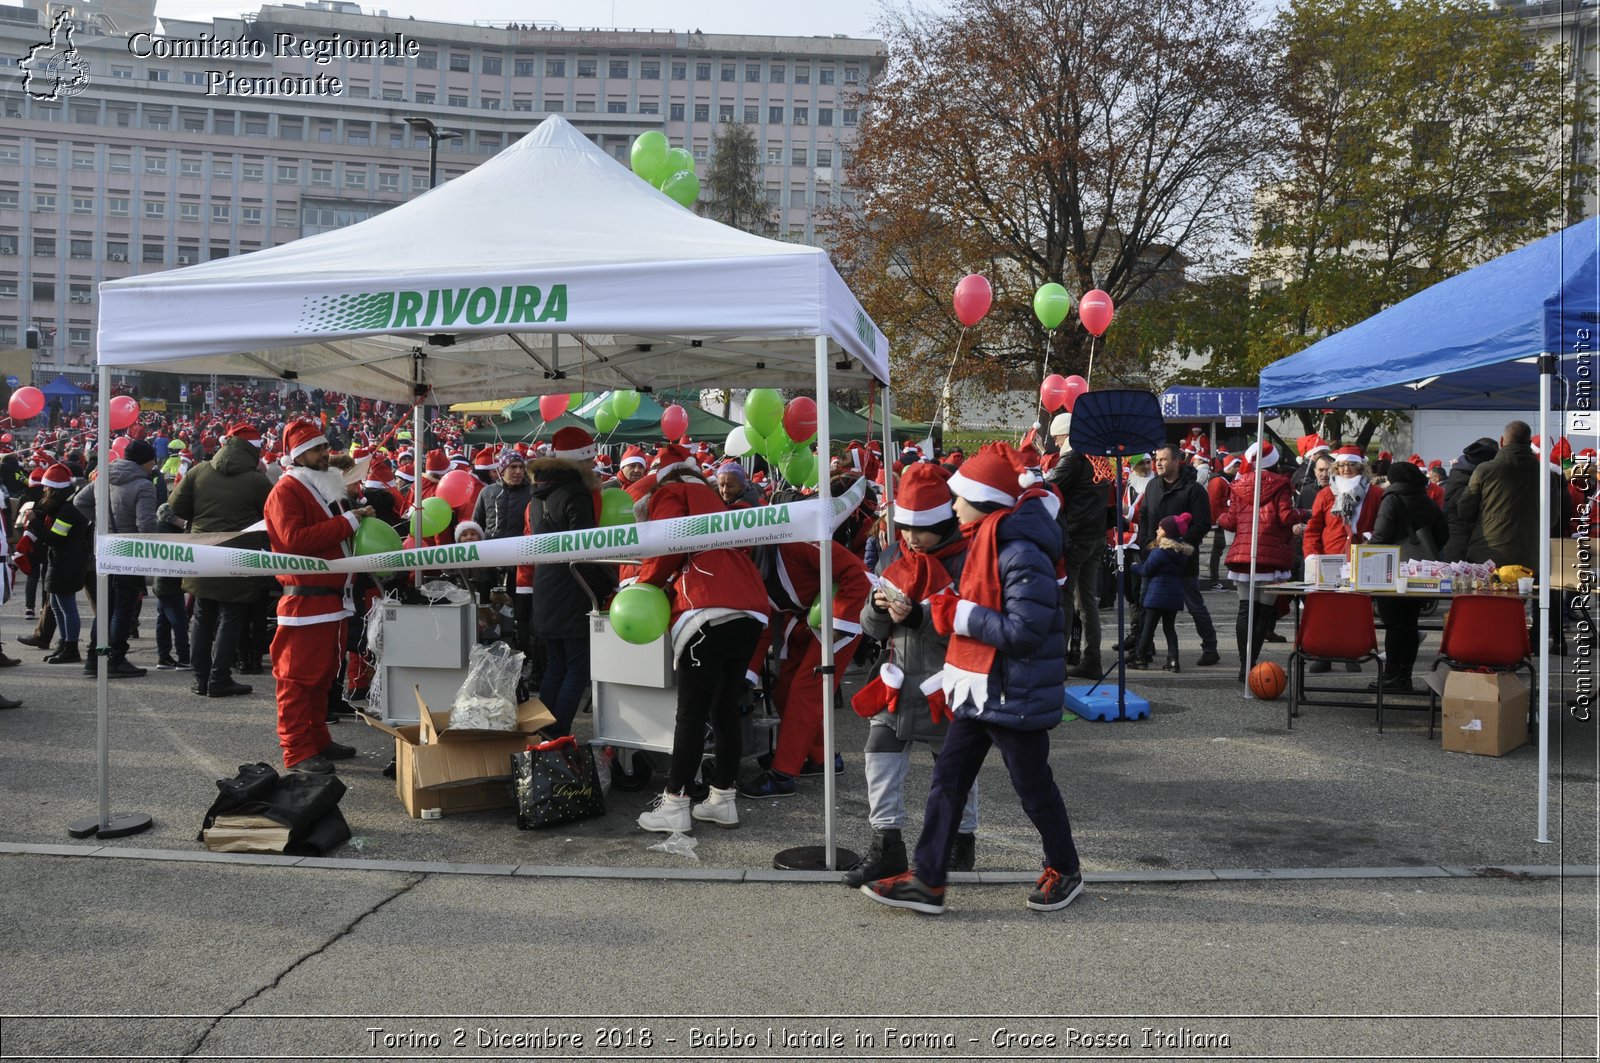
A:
557	782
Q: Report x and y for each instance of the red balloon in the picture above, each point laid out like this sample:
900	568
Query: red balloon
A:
119	446
136	431
455	487
1053	392
1075	385
1095	311
973	299
674	422
74	423
553	406
124	411
6	438
800	419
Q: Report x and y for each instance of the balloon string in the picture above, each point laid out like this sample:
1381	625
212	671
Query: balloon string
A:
1088	378
945	390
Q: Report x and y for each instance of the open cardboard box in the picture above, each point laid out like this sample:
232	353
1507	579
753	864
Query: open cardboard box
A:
1483	712
458	769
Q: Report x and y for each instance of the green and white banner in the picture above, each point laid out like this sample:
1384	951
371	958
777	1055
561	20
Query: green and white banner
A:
171	555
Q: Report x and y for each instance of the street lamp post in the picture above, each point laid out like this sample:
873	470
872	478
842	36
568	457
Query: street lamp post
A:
434	134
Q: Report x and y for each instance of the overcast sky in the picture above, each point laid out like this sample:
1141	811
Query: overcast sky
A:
853	17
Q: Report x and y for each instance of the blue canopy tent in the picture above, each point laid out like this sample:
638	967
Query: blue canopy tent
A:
1505	334
1185	403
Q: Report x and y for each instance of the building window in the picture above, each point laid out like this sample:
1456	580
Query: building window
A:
77	337
426	97
493	65
725	112
117	206
83	160
194	77
285	217
222	169
774	156
288	173
617	68
10	199
779	73
824	156
728	72
802	116
155	209
153	252
522	68
222	125
675	112
587	67
825	116
83	204
649	70
849	116
121	162
8	287
288	130
360	135
117	250
44	247
490	103
752	114
190	168
44	291
82	248
802	74
752	71
775	115
354	178
428	60
702	71
156	75
649	108
79	293
460	63
322	175
680	71
122	72
457	101
249	215
616	107
797	156
8	243
851	75
219	251
156	164
585	107
700	153
189	212
419	180
825	76
221	213
555	68
388	181
554	106
44	202
253	171
702	112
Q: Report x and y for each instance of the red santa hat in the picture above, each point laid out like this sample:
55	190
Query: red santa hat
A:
406	471
483	460
522	448
992	475
247	432
459	460
632	456
1264	454
670	457
436	464
573	444
1435	464
1416	459
602	460
301	436
355	452
379	475
57	476
924	497
36	476
1349	455
1385	455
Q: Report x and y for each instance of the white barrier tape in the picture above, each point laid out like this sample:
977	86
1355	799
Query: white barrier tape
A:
122	555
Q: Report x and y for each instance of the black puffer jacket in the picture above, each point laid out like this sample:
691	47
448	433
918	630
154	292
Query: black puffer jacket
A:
1476	453
1084	507
226	494
564	500
1406	507
69	539
1161	500
500	509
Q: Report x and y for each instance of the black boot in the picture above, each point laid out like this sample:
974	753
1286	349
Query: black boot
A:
1259	635
1241	635
66	653
964	853
885	858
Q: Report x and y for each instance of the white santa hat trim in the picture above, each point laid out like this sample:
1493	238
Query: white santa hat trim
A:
977	491
1253	456
923	518
310	444
632	459
464	525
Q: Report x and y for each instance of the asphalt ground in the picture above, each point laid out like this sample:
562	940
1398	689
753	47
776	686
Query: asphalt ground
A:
1325	892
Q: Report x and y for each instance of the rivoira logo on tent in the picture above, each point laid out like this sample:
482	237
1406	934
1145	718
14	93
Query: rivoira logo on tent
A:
429	308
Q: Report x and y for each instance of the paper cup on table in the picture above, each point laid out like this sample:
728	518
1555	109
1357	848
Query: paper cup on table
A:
1400	584
1525	585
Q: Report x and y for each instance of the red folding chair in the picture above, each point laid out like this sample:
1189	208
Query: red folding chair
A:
1333	627
1483	632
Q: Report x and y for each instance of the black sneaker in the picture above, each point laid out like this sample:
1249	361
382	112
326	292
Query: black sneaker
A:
964	853
338	751
906	891
166	664
122	670
317	765
227	690
1208	657
811	767
768	784
1055	891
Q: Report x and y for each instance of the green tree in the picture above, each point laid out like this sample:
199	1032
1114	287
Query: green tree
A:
736	190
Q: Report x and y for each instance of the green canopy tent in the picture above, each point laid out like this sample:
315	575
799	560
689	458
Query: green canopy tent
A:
525	427
845	425
644	426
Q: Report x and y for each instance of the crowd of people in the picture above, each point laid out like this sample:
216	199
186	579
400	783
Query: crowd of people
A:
970	601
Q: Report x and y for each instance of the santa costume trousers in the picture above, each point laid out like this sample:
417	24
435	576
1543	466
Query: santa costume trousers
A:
305	658
799	700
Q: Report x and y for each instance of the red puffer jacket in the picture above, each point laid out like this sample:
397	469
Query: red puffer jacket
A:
1278	518
710	579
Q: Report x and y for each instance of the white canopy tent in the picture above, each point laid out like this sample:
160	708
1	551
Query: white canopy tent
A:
550	268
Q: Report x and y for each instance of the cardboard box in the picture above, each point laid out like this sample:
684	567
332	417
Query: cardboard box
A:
455	769
1573	564
1484	713
1373	568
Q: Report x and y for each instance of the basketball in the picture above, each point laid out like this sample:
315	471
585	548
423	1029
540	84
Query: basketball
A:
1267	681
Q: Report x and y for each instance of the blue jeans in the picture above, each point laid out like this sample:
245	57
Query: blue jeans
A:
566	677
1196	606
172	626
1027	758
65	607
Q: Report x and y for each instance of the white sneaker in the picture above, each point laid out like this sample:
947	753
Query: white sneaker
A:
669	814
719	808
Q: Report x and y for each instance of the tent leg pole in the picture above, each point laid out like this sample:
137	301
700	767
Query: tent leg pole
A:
1547	367
419	448
888	459
1248	650
104	823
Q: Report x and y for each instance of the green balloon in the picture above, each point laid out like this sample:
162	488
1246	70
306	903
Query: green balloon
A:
779	444
678	160
606	420
1051	305
575	399
435	515
649	154
814	618
616	507
624	404
373	536
640	613
763	411
800	468
683	188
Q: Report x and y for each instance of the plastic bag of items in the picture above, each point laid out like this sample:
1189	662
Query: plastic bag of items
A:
488	698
